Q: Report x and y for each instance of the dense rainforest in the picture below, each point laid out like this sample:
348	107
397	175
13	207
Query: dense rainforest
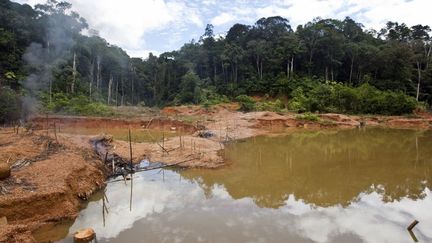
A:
51	61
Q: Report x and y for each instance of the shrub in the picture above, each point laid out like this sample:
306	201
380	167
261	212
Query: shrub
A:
275	106
10	108
246	103
78	105
308	117
210	97
299	102
366	99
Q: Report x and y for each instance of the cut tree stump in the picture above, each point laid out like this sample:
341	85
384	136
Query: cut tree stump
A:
5	171
84	235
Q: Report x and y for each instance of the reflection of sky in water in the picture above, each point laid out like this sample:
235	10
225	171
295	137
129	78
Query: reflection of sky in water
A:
177	210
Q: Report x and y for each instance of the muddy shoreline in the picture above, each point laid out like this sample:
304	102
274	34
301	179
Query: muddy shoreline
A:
63	173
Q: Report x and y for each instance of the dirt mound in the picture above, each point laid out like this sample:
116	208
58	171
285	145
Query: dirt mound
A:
47	185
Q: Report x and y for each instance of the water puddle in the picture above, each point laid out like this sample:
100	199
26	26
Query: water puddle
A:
332	186
138	135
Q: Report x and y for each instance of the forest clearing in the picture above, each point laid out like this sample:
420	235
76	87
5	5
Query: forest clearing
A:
59	168
215	121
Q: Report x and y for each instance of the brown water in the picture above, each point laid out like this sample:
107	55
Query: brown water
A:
337	186
138	135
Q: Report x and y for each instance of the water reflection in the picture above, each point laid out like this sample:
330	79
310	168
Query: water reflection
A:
347	186
325	168
179	211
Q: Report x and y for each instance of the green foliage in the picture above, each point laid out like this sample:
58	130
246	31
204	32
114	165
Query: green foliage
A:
275	106
268	57
78	105
9	105
366	99
210	97
246	103
308	117
190	90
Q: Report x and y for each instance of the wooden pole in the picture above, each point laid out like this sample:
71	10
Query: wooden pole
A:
131	165
163	142
113	167
55	132
130	148
412	225
47	123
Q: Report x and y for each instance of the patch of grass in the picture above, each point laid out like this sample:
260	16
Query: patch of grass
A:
308	117
326	122
189	119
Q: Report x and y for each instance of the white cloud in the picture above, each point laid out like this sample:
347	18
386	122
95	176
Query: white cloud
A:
126	23
222	19
131	24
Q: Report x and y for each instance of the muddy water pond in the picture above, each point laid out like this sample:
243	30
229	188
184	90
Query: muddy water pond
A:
138	135
327	186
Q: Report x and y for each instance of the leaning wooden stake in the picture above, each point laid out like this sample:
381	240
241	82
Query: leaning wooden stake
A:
55	132
163	142
132	171
47	128
130	147
412	225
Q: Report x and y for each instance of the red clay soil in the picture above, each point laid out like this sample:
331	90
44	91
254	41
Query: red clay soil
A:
49	189
52	187
40	122
227	124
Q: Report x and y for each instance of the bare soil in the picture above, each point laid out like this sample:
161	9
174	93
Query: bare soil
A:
61	174
50	186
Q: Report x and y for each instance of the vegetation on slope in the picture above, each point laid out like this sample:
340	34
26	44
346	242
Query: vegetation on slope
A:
325	65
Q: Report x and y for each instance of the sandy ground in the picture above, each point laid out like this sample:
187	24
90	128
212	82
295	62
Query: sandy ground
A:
62	174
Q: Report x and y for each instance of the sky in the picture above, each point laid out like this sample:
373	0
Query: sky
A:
157	26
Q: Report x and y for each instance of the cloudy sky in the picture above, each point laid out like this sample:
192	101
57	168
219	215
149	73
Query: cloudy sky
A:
143	26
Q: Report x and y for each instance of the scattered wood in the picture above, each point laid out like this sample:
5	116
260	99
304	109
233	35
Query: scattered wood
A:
155	141
149	123
21	163
3	190
412	225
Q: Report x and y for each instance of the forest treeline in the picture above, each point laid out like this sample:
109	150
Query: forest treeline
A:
325	65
